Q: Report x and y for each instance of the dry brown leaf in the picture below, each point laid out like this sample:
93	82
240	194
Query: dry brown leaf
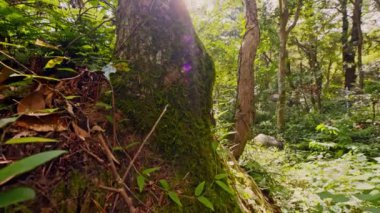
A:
47	123
31	103
4	74
97	128
69	109
82	134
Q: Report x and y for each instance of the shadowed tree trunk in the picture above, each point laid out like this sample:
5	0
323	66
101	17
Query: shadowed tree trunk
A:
245	91
282	70
161	61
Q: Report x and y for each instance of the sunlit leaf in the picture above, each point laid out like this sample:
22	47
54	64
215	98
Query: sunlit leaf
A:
38	42
16	195
29	140
55	61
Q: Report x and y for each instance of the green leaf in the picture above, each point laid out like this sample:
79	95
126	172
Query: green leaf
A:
337	198
150	170
5	121
12	45
165	184
39	77
174	197
27	164
220	176
29	140
199	189
16	195
70	97
54	62
141	182
206	202
224	186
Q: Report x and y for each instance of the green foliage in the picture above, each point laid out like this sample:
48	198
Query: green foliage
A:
29	140
141	179
206	202
199	189
174	197
27	164
20	194
16	195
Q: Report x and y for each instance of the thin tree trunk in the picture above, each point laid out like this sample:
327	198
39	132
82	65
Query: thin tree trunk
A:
283	36
245	91
357	16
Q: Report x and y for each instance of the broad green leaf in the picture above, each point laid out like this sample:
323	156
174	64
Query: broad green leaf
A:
30	140
150	170
5	121
27	164
174	197
337	198
206	202
220	176
199	189
165	184
16	195
224	186
141	182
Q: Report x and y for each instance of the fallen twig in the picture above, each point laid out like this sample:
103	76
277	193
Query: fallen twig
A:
144	142
120	181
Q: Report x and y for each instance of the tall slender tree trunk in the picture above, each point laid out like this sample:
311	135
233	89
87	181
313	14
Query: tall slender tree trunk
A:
281	103
162	61
282	70
357	37
348	52
245	92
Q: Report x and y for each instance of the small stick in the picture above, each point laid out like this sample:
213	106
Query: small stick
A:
120	181
144	142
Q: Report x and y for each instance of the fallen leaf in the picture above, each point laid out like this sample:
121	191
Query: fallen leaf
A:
69	109
82	134
31	103
97	128
47	123
4	74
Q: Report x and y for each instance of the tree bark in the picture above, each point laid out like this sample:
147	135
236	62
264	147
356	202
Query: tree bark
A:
161	61
245	109
282	70
348	52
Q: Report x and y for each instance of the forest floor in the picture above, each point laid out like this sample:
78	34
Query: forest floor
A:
302	181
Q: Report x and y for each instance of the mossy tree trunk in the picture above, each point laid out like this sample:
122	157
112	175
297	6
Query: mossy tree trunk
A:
165	63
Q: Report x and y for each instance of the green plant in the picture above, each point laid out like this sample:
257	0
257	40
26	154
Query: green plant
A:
19	194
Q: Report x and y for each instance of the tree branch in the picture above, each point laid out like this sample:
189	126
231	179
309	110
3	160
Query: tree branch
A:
296	16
